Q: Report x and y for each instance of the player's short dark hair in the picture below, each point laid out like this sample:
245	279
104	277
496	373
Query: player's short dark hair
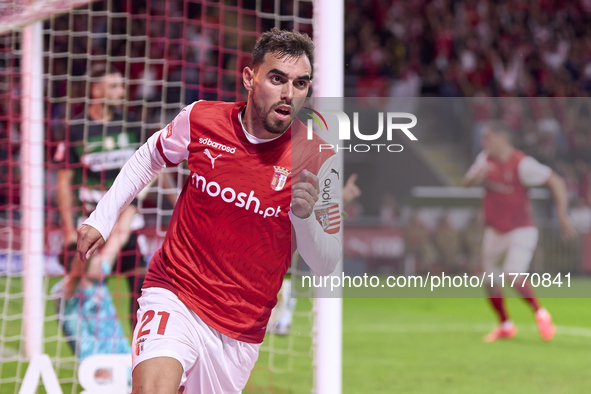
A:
281	43
500	127
99	70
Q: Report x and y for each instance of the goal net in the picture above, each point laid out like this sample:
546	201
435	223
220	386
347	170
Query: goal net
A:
169	54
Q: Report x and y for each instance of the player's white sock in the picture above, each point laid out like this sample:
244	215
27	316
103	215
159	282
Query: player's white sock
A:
542	311
507	324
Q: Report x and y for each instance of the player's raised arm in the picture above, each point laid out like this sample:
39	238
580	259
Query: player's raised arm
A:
350	191
477	172
166	147
316	218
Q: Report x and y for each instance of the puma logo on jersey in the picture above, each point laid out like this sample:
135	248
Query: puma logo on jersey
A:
336	172
213	159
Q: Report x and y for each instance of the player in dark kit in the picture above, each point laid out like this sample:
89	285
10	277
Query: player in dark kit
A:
251	199
96	146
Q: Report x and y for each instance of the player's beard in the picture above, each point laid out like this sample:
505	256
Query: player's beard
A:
273	127
113	109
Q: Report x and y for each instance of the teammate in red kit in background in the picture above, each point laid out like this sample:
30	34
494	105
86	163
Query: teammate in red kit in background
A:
254	178
510	234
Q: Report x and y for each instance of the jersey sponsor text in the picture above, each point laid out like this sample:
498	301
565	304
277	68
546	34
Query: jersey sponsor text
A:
229	195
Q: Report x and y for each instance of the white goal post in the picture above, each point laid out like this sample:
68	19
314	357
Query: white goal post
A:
328	81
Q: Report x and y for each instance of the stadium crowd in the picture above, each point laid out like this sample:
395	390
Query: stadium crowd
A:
470	47
527	62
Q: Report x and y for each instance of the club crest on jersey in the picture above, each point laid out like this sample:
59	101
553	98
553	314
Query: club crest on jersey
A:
139	346
329	218
322	218
279	178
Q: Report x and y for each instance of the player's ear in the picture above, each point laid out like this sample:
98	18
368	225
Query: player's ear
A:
248	78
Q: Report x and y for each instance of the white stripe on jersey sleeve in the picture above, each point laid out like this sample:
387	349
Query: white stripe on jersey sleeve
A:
176	136
532	173
321	248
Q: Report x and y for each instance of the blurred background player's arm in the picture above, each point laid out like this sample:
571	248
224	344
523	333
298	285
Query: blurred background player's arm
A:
477	172
350	191
65	198
119	237
533	174
558	188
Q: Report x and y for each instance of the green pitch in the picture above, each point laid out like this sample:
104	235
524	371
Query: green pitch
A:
435	346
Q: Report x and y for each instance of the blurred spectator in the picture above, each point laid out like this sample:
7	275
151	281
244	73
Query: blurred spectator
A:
447	242
418	244
350	190
389	210
580	214
472	241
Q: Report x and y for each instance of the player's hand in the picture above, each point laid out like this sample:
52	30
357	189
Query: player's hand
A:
304	195
477	173
567	228
89	240
478	177
350	190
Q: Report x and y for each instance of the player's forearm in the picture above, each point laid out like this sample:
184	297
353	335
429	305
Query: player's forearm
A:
140	170
65	199
321	251
474	177
558	188
470	181
477	172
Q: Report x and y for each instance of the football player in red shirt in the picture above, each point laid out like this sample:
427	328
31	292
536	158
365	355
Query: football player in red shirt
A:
510	234
252	198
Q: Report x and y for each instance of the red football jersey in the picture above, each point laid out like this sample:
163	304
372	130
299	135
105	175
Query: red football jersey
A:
506	203
229	242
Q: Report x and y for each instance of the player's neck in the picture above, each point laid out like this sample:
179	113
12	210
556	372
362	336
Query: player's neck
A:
505	154
100	113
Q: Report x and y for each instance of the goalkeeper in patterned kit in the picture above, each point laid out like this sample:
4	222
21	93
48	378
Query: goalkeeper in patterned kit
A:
251	199
510	236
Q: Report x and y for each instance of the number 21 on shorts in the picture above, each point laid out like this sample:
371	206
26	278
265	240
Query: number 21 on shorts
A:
147	318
